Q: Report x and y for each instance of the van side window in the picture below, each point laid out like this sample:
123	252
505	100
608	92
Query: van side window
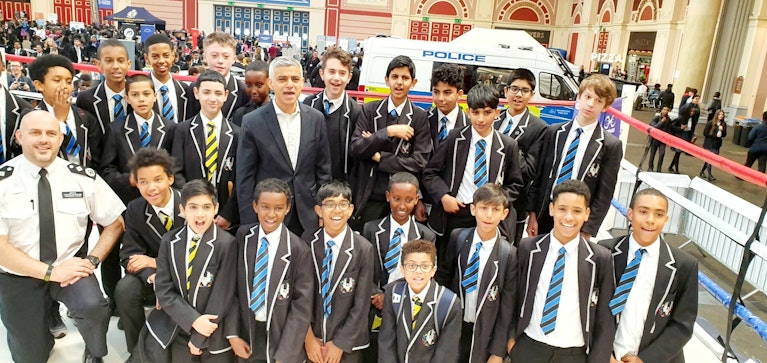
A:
554	87
474	75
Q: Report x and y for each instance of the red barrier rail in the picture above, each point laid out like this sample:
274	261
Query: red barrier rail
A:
720	162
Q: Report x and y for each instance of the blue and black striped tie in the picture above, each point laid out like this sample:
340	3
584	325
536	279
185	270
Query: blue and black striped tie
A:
72	148
507	130
471	275
327	107
327	266
569	163
480	163
393	113
392	256
442	129
167	107
258	293
622	291
549	316
119	111
144	136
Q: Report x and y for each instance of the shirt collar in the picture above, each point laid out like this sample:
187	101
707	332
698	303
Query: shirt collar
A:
333	102
216	120
476	137
273	237
167	208
158	84
338	240
278	111
421	295
486	245
394	225
190	233
140	120
111	93
652	250
390	106
570	247
451	116
589	129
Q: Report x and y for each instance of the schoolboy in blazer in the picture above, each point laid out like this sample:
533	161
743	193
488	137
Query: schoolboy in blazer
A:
342	111
219	50
100	101
661	307
147	218
13	107
446	115
434	335
125	138
158	53
445	175
392	135
596	161
190	147
518	123
193	316
582	331
340	319
275	331
486	301
264	146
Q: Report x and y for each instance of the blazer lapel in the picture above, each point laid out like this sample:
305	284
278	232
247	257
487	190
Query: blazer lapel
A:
181	101
225	141
664	280
274	127
377	118
592	151
200	264
197	134
153	222
101	105
460	153
489	275
131	138
318	254
251	250
344	258
414	233
497	159
178	219
231	101
534	268
346	131
280	267
12	112
463	258
382	242
460	121
586	281
306	134
559	145
158	131
499	120
620	258
520	130
82	136
178	249
426	313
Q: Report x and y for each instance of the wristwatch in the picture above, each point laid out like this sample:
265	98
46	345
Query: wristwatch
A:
95	261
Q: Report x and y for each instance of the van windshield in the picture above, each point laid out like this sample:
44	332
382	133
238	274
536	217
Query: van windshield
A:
550	86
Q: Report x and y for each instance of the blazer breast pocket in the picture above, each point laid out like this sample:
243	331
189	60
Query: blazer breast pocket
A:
348	283
665	309
284	292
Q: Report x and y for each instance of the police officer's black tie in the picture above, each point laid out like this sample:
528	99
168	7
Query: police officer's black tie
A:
47	226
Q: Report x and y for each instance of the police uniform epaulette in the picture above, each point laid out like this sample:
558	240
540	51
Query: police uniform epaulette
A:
77	169
6	171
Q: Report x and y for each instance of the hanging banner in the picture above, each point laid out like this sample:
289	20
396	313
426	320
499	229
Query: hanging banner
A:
146	31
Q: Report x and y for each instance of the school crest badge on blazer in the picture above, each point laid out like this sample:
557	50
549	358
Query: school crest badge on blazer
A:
665	309
346	285
207	279
593	170
283	292
228	163
492	294
429	338
594	298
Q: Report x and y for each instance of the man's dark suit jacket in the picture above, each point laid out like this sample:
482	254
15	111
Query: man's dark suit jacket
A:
398	342
396	155
351	287
144	230
529	135
378	232
264	155
95	101
236	99
189	151
444	173
89	136
122	143
496	293
598	169
434	124
290	299
212	291
15	108
184	101
595	288
350	113
674	303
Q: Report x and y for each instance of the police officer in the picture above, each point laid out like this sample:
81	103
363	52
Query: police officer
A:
45	203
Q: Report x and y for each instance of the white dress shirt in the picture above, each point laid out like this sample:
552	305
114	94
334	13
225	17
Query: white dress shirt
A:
274	242
404	238
290	126
334	104
421	295
467	188
171	96
588	131
471	300
632	319
514	119
452	118
140	122
63	127
568	332
167	208
337	241
111	101
390	106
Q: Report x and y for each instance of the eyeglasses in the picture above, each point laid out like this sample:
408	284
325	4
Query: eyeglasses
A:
412	267
515	89
341	206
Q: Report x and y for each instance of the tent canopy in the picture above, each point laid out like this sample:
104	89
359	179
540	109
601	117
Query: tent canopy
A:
135	15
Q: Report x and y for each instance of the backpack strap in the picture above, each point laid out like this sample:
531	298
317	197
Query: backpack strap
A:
445	302
398	290
462	237
503	255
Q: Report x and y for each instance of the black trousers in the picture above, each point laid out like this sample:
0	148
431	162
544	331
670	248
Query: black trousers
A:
131	294
528	350
660	148
178	352
753	156
373	209
25	310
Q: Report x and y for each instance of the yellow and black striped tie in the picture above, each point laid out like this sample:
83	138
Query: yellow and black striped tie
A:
211	151
190	260
416	309
167	221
